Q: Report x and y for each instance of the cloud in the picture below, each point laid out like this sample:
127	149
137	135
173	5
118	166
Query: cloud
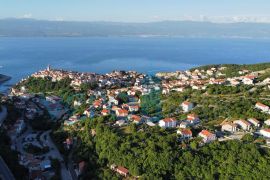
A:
28	15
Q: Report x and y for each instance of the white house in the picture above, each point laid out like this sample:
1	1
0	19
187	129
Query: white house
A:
249	80
121	113
262	107
192	119
167	122
229	127
183	124
267	122
53	99
207	136
254	122
185	133
243	124
187	106
265	132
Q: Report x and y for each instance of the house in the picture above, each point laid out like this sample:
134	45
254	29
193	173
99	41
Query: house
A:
262	107
89	113
254	122
105	112
207	136
77	103
68	143
121	113
97	103
243	124
229	127
120	122
249	80
133	108
267	122
122	171
184	124
167	122
136	119
185	133
192	119
187	106
81	166
265	133
53	99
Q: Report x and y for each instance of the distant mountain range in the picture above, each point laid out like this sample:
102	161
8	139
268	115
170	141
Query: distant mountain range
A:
34	28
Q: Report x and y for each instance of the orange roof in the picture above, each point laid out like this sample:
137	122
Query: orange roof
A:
169	119
260	104
136	118
104	111
206	133
267	130
192	116
122	169
250	77
122	111
186	103
186	131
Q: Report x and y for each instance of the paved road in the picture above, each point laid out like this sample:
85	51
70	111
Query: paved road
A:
5	173
56	154
70	163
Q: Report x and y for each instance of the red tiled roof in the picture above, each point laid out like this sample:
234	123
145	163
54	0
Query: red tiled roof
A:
104	111
192	116
169	119
267	130
260	104
206	133
186	103
186	132
136	118
122	169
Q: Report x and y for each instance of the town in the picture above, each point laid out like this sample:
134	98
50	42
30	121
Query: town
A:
174	103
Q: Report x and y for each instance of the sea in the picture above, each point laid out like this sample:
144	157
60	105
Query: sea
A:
20	57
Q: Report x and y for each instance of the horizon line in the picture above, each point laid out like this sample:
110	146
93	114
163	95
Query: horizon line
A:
137	22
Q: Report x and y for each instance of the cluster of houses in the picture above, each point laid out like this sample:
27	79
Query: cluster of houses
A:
38	168
113	79
200	79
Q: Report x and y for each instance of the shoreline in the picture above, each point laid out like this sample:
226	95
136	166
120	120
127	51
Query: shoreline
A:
4	78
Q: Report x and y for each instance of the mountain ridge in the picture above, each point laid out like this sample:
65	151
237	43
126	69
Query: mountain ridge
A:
47	28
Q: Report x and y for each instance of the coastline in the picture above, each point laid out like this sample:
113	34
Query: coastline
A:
4	78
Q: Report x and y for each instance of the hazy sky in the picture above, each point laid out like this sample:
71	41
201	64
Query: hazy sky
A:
136	10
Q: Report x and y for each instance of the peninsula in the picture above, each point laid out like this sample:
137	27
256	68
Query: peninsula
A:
4	78
193	124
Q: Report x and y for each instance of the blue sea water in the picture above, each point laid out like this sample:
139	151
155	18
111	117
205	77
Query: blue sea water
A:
20	57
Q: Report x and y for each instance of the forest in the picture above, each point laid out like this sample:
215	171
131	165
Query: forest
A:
155	153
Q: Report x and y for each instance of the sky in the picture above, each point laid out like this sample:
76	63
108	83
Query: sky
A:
137	10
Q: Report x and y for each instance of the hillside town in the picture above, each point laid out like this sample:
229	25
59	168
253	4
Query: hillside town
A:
119	96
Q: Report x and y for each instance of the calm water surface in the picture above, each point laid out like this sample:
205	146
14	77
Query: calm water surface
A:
20	57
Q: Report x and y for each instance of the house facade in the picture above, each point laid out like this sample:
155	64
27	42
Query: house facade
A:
207	136
167	123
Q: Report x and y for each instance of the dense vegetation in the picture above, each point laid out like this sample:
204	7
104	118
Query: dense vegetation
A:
218	103
154	153
150	104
